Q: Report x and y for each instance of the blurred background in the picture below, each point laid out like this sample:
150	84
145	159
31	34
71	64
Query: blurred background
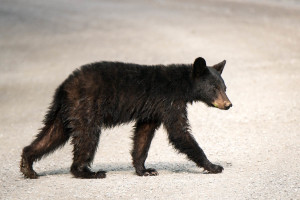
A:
257	141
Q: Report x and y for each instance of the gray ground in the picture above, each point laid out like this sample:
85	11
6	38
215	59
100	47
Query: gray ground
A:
257	141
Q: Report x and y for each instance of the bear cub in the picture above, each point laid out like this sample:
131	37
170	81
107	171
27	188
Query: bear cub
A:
105	94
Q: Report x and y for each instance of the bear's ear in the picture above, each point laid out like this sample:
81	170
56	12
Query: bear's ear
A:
220	66
199	67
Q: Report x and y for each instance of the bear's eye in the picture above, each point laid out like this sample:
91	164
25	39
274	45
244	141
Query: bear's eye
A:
215	88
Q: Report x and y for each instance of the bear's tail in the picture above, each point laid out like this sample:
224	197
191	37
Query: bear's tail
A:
50	137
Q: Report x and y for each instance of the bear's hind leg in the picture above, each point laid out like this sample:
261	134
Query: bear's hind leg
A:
143	135
50	138
85	145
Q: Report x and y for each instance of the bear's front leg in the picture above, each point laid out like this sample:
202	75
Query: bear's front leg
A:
143	135
177	126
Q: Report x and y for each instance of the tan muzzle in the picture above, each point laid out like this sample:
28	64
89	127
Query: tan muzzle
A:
222	101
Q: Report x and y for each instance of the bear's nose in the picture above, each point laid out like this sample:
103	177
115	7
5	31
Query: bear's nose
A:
227	104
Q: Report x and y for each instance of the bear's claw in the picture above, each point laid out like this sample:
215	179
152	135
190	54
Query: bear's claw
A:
148	172
214	169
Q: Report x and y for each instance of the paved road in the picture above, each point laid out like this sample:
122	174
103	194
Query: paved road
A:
257	141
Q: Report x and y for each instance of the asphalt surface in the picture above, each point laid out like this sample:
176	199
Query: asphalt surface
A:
257	141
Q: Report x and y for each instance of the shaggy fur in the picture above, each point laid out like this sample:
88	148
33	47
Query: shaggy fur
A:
106	94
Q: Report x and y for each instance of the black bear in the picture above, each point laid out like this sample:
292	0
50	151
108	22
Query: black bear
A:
106	94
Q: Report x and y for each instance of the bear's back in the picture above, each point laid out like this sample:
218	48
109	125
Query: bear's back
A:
117	79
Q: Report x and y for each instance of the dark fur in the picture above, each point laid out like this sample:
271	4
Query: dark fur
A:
106	94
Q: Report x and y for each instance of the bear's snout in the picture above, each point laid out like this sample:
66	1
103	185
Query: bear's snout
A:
227	105
222	101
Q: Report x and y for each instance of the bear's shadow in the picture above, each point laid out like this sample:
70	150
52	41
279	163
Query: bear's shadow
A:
174	167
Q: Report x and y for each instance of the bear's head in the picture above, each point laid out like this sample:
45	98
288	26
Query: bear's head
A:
208	85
